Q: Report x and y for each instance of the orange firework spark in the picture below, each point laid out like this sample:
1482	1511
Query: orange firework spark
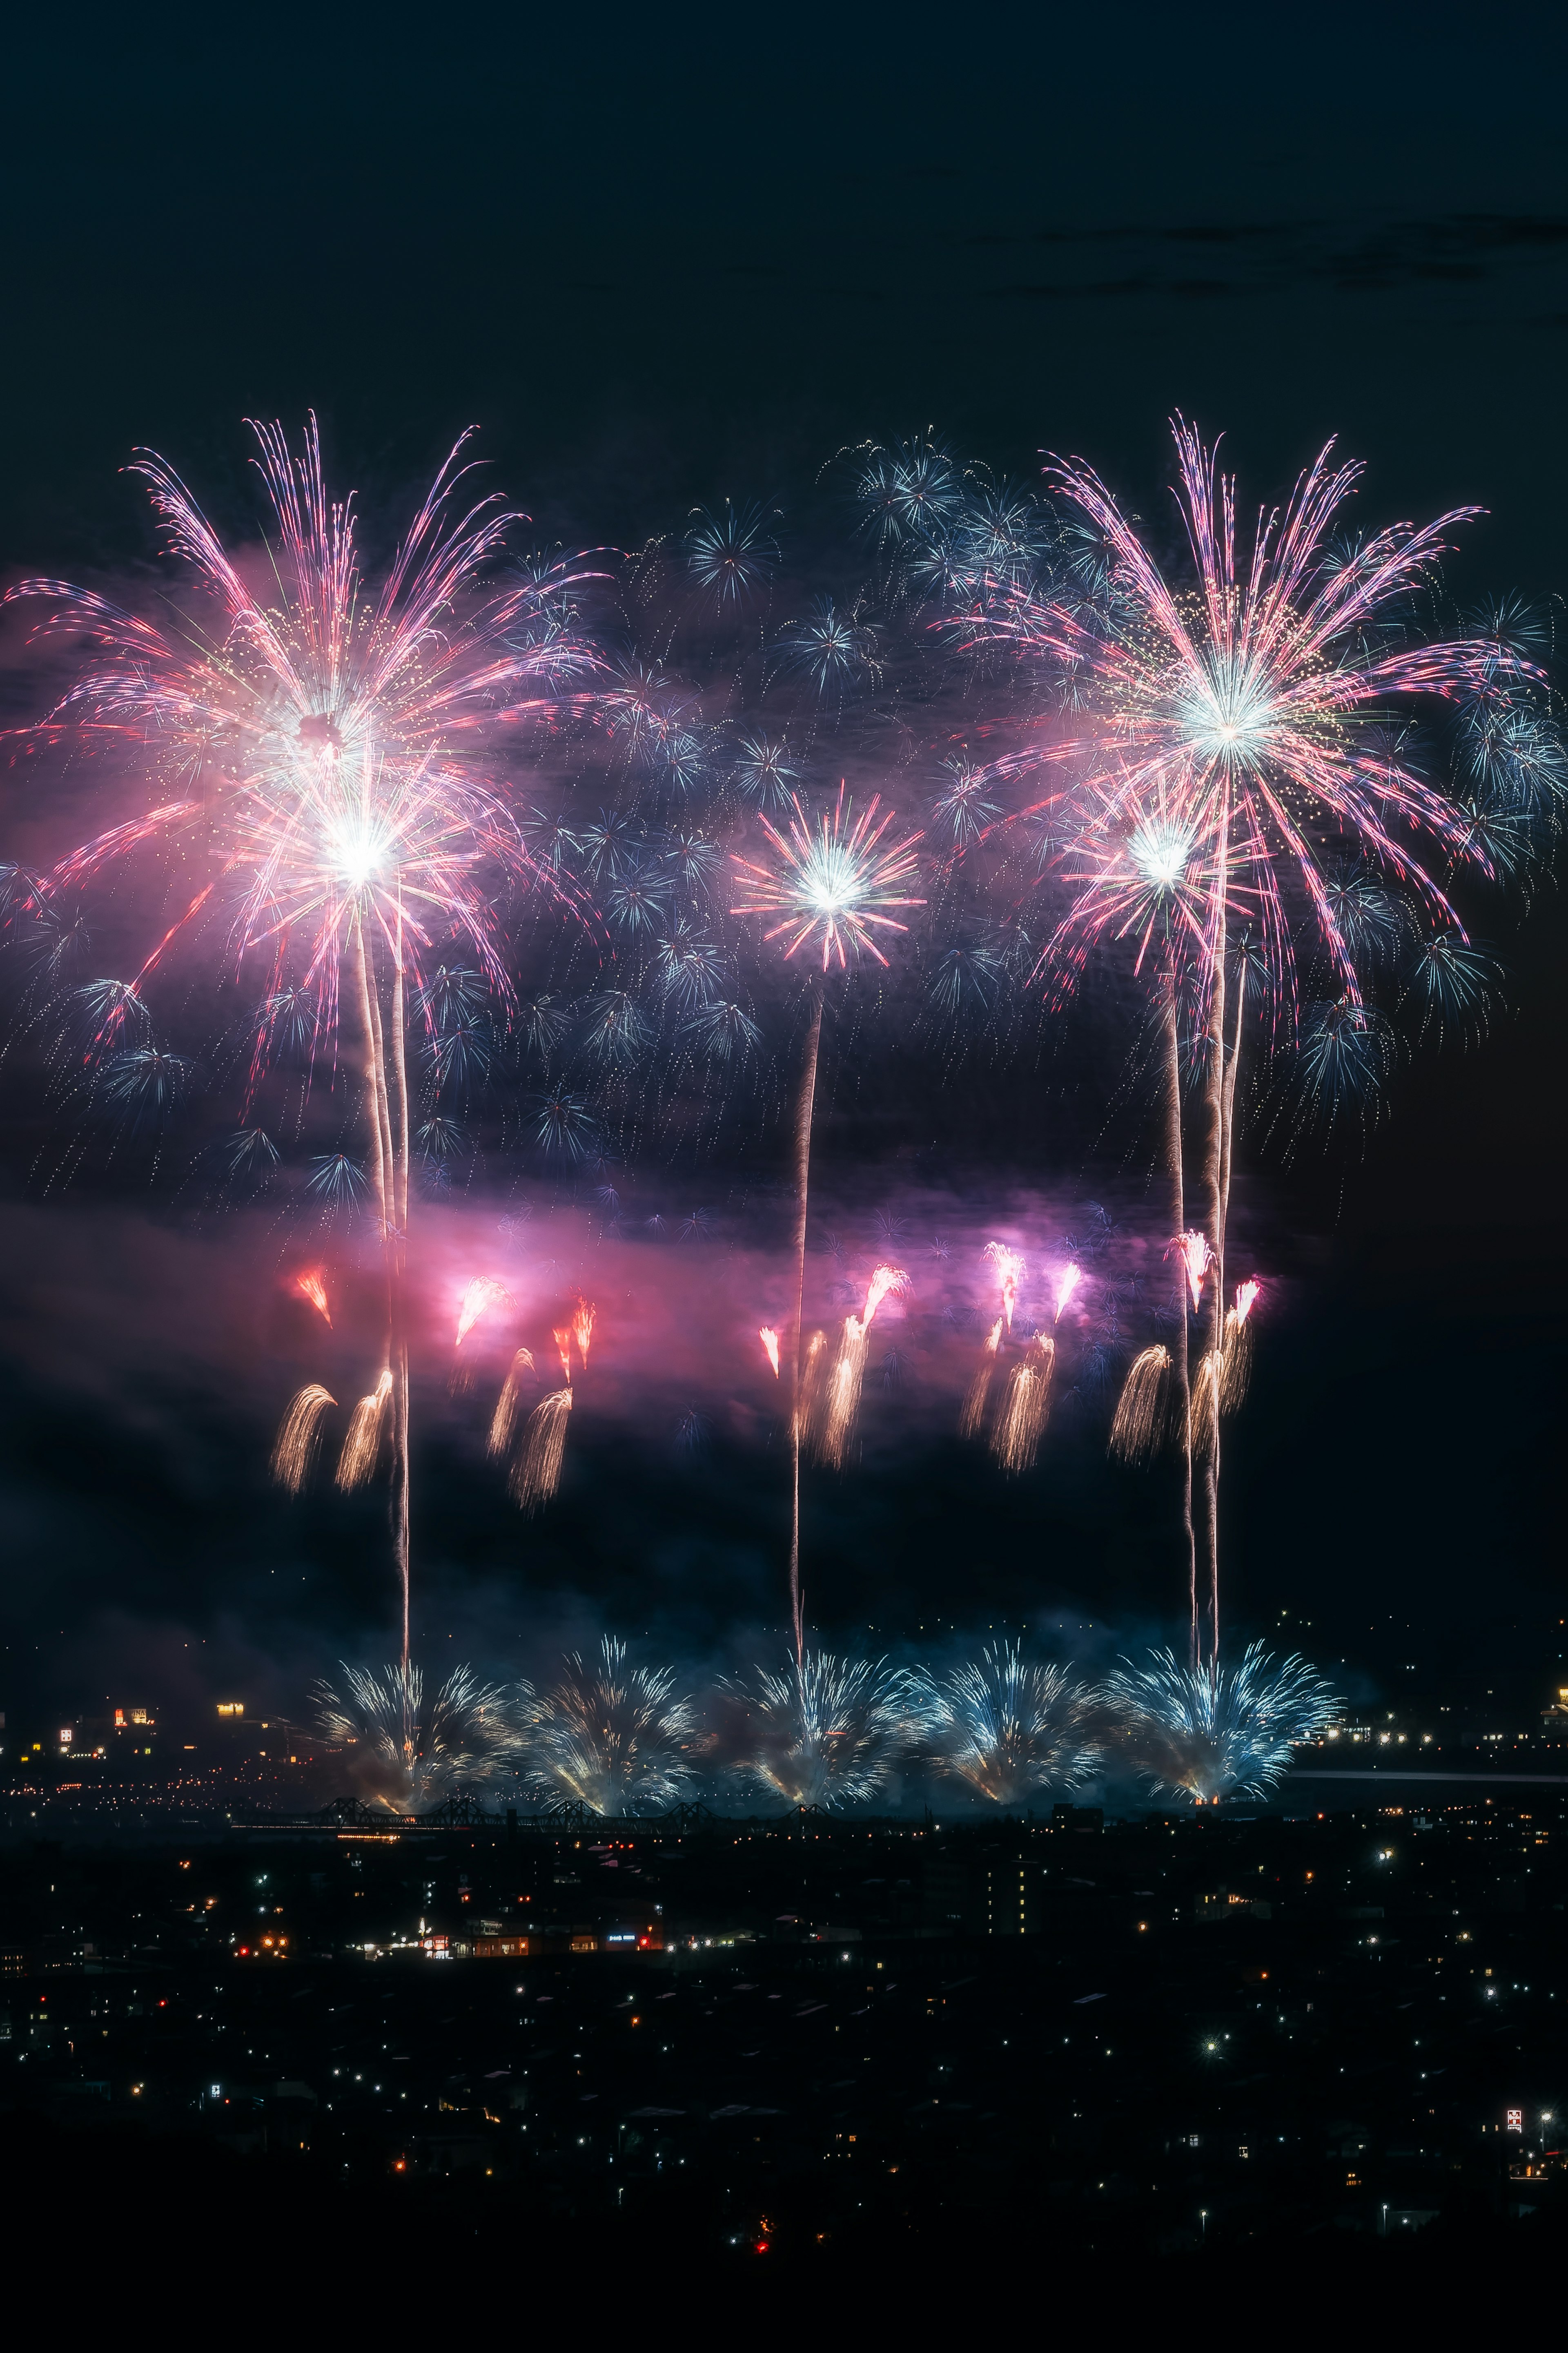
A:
770	1340
311	1284
536	1474
363	1444
561	1337
1197	1258
504	1419
1141	1413
583	1326
298	1435
478	1297
973	1414
1021	1417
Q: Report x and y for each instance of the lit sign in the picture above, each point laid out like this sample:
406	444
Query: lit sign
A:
230	1707
65	1734
1515	2120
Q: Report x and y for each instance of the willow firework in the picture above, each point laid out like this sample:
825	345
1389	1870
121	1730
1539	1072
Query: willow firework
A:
536	1473
1138	1430
300	1435
1025	1402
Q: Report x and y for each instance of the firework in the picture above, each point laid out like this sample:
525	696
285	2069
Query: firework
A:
1025	1402
829	1731
536	1473
503	1422
1207	1731
408	1753
478	1297
842	1402
618	1739
836	882
1011	1273
311	1284
298	1435
1197	1258
1067	1283
1235	1367
320	767
562	1335
971	1418
770	1340
1139	1428
367	1426
583	1328
1008	1729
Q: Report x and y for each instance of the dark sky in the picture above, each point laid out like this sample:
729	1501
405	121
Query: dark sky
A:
662	258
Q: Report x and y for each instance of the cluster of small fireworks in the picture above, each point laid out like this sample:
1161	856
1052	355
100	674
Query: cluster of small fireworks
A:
1025	1402
311	1284
1008	1728
503	1422
1205	1731
536	1473
410	1754
1138	1430
618	1739
367	1426
770	1340
971	1415
842	1400
827	1731
300	1435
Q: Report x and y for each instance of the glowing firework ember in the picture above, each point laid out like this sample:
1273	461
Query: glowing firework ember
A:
1008	1729
1011	1272
1246	1297
561	1337
1207	1731
583	1328
835	882
972	1419
1025	1402
1138	1430
770	1340
478	1298
536	1473
618	1739
367	1427
503	1421
407	1753
311	1285
298	1435
827	1731
1236	1361
1067	1283
1197	1258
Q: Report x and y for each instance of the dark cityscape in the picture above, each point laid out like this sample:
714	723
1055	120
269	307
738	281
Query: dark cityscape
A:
782	1273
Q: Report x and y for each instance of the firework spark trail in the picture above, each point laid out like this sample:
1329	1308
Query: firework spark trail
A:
1067	1283
1138	1431
1026	1402
298	1435
829	1731
1011	1272
1197	1258
311	1285
618	1739
1008	1728
583	1328
536	1473
843	1398
972	1419
1205	1731
478	1297
838	883
770	1340
408	1753
561	1337
1236	1363
368	1426
503	1422
326	757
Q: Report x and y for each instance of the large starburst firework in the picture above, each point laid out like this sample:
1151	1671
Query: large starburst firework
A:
833	879
829	1731
1210	1731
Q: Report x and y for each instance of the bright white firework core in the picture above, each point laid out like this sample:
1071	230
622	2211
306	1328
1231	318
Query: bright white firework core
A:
1161	851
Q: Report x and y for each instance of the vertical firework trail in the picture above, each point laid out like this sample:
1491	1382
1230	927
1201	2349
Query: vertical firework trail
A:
831	880
325	758
1183	1401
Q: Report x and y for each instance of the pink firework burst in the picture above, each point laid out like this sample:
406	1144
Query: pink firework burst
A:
833	880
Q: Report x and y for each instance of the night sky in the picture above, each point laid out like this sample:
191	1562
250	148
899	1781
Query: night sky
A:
663	260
